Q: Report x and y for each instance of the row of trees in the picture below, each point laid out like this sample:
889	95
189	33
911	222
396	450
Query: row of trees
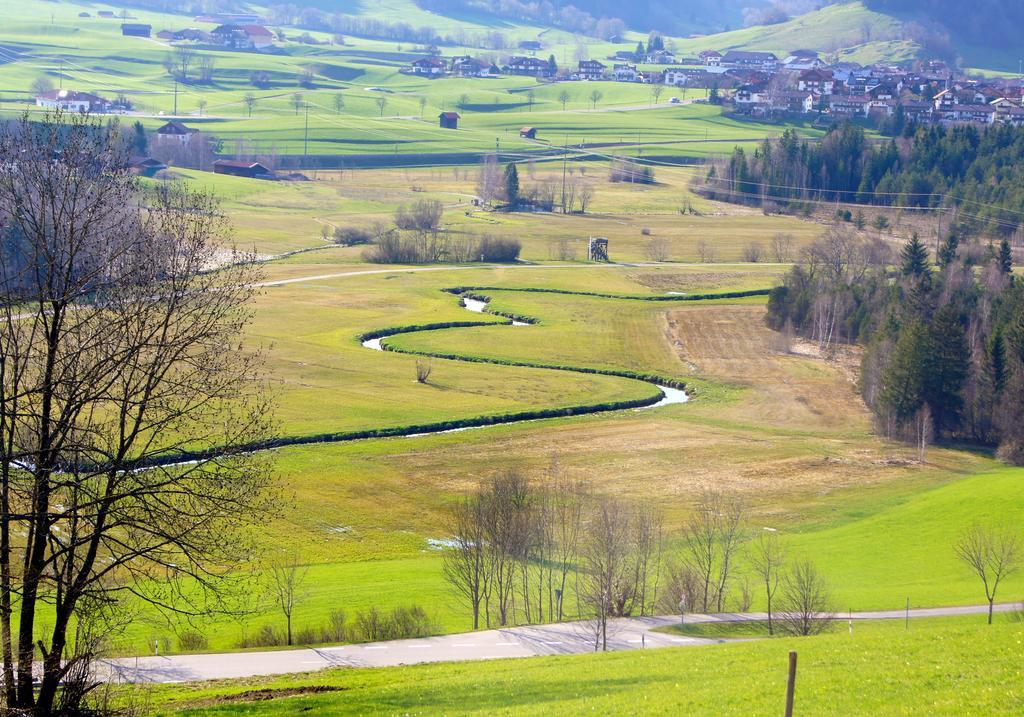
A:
502	185
524	553
977	171
944	347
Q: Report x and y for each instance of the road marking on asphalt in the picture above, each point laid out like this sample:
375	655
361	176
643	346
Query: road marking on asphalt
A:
420	647
679	639
506	644
375	647
635	641
551	642
464	644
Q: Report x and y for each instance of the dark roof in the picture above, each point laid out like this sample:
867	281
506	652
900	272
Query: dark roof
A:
239	163
745	55
450	115
175	127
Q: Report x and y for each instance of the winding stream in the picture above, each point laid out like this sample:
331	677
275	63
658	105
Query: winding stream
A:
669	395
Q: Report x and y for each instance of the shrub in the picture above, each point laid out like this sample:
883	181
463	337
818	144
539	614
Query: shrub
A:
351	236
422	215
752	252
498	249
192	641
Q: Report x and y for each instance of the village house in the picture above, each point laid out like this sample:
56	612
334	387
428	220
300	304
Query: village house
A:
624	72
72	101
175	132
530	66
849	105
711	58
238	168
146	166
743	58
428	67
661	57
448	120
818	81
590	70
749	95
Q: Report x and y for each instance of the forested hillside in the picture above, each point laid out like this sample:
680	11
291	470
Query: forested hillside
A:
985	22
979	172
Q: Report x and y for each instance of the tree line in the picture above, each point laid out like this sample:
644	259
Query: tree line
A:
944	344
528	551
977	174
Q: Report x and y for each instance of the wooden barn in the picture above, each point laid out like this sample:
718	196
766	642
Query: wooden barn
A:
252	170
449	120
528	133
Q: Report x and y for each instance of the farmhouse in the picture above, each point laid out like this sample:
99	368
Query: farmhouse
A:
72	101
466	66
590	70
428	66
251	170
136	29
449	120
242	37
530	66
175	132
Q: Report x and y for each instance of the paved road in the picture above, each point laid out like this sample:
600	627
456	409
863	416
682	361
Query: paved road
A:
527	641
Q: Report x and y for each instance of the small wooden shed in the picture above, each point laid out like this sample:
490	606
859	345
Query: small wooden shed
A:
528	133
449	120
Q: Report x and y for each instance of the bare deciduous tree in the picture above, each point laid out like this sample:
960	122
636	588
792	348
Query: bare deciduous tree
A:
992	554
490	179
782	247
805	603
287	583
119	356
423	371
563	98
465	563
712	537
767	560
706	252
658	249
250	102
586	195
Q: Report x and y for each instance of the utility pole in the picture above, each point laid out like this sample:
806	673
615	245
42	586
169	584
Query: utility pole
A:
305	137
175	113
565	157
60	74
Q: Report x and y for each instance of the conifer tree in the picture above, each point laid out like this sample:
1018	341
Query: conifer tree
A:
1005	257
512	185
948	250
914	258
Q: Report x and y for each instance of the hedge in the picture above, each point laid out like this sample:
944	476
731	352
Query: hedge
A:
464	290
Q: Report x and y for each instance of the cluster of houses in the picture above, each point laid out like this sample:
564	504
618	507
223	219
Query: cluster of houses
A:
74	101
250	36
931	94
761	84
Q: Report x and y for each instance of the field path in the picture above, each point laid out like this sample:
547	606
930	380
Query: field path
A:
566	638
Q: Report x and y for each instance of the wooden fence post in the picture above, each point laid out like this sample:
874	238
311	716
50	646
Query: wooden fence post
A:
791	684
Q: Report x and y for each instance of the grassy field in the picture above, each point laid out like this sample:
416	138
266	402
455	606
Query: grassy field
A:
785	431
937	667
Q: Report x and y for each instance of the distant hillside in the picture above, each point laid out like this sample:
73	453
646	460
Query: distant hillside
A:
985	33
850	31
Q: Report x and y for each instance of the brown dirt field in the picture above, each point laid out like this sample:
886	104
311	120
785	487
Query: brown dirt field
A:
792	389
